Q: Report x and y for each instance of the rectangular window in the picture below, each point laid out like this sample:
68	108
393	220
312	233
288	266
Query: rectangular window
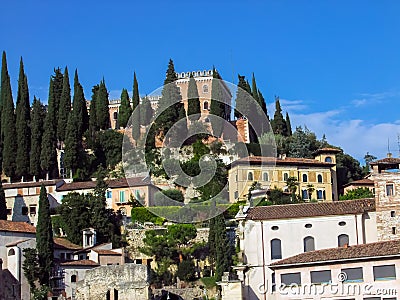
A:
353	274
393	230
392	214
108	194
32	210
9	211
24	210
290	278
389	189
236	194
321	276
387	272
122	196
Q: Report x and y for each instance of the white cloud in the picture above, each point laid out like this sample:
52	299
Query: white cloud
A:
356	137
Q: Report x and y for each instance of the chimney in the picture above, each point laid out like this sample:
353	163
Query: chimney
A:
389	155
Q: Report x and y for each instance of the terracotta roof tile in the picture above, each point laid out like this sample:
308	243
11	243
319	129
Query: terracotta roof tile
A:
386	248
386	160
364	181
302	210
16	227
16	185
107	252
258	160
112	183
84	262
61	243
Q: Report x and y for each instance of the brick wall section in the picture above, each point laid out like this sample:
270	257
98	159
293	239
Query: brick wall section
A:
385	205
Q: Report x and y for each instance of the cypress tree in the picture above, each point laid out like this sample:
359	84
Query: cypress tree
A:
217	107
48	154
8	123
102	112
263	103
93	128
58	81
125	109
193	100
278	123
146	112
3	203
72	144
136	109
79	107
242	108
44	238
22	124
288	125
38	114
254	89
64	107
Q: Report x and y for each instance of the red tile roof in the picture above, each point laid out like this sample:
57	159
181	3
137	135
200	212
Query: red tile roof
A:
20	185
364	181
378	249
16	227
289	211
61	243
258	160
386	160
112	183
327	150
107	252
84	262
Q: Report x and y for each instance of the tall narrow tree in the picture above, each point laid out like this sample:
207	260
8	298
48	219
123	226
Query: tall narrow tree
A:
38	114
102	112
79	107
58	80
288	125
217	107
146	112
72	144
48	154
136	109
93	128
64	107
193	100
263	103
8	124
242	108
254	89
278	123
3	203
125	109
44	238
23	124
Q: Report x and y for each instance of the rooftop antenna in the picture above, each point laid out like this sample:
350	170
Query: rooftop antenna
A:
389	154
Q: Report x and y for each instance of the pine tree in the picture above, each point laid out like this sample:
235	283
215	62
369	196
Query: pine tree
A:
193	100
102	112
136	109
44	238
38	114
64	107
288	125
22	124
48	154
3	203
8	123
79	107
278	123
217	107
146	112
125	109
93	128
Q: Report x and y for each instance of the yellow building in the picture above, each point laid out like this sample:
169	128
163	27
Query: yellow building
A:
271	172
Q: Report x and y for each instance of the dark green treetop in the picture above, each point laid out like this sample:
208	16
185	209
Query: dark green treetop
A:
79	107
38	114
64	107
125	109
102	112
136	109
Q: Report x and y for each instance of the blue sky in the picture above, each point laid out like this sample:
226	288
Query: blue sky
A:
334	64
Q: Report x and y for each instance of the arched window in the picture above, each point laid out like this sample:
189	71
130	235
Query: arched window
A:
309	244
304	194
265	176
285	176
73	278
205	88
305	178
108	295
320	195
319	178
343	240
205	105
328	159
250	176
11	252
276	250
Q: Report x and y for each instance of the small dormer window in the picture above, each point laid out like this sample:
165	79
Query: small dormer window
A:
328	159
